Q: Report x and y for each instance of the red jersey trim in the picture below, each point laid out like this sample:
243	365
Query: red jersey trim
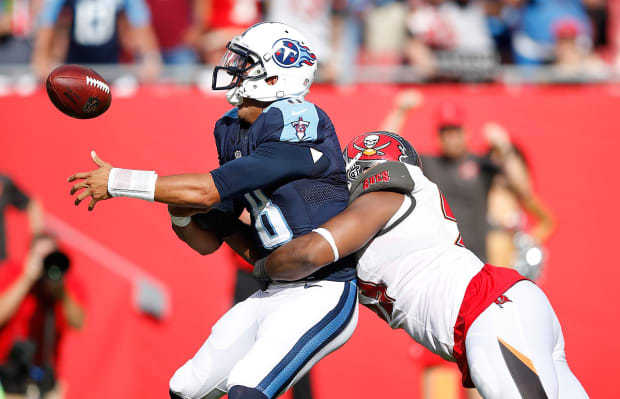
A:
483	289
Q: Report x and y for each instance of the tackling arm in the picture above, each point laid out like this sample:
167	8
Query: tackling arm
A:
351	230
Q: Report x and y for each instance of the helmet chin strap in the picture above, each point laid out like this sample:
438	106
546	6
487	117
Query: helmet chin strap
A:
234	97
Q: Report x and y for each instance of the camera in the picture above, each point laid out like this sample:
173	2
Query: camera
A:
55	265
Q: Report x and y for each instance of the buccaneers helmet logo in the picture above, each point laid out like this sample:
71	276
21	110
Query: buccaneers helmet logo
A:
375	147
370	144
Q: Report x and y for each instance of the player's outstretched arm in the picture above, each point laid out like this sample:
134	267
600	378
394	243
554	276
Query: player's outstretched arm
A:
270	163
351	230
192	190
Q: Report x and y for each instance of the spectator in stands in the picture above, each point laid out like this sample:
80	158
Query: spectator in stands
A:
178	29
385	32
573	57
533	43
450	38
39	301
16	20
12	195
97	29
503	19
224	19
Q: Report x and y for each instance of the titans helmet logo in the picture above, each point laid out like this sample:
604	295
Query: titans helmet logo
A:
289	53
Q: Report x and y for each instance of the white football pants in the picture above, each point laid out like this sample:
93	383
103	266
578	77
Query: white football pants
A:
271	339
517	350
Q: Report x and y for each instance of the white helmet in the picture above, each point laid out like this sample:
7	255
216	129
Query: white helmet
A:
264	50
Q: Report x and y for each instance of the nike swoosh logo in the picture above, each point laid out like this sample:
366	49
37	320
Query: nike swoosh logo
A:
308	285
298	112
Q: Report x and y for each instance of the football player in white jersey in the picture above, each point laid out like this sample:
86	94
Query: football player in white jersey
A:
415	273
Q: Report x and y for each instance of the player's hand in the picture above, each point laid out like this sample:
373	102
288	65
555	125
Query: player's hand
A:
94	183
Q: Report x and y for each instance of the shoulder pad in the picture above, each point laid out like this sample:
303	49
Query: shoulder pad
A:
385	176
300	119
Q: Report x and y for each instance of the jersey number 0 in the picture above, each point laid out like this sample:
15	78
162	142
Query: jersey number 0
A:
269	222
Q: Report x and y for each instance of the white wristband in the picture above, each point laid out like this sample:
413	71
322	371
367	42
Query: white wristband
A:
132	183
330	239
180	221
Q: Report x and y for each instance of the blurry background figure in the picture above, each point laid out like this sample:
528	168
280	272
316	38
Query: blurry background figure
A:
16	27
95	32
178	26
222	20
12	195
39	300
385	31
520	224
464	178
450	38
574	57
533	42
503	19
316	19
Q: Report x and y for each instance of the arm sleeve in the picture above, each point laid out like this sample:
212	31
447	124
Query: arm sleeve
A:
17	197
49	13
269	164
137	12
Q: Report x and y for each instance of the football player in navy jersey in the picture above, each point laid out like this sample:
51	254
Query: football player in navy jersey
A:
280	159
96	34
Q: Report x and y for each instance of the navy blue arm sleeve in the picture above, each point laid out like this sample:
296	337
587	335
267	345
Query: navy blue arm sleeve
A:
271	163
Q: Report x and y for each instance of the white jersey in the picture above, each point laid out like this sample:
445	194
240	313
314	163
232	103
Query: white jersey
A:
414	274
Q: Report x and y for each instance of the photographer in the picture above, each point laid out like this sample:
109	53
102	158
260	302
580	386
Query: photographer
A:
38	303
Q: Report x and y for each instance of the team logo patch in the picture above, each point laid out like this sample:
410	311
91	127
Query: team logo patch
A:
469	170
300	126
502	299
289	53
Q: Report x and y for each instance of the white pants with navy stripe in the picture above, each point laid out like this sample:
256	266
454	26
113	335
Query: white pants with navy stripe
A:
271	339
516	349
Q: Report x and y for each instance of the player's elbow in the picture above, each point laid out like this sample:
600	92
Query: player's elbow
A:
207	194
206	246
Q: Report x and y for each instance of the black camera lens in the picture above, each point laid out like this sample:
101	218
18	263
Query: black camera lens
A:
55	265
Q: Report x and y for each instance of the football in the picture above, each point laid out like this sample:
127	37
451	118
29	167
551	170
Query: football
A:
78	91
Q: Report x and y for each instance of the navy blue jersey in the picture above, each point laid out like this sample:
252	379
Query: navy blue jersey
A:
284	208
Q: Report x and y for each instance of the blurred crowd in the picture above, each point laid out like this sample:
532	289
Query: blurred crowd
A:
441	39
